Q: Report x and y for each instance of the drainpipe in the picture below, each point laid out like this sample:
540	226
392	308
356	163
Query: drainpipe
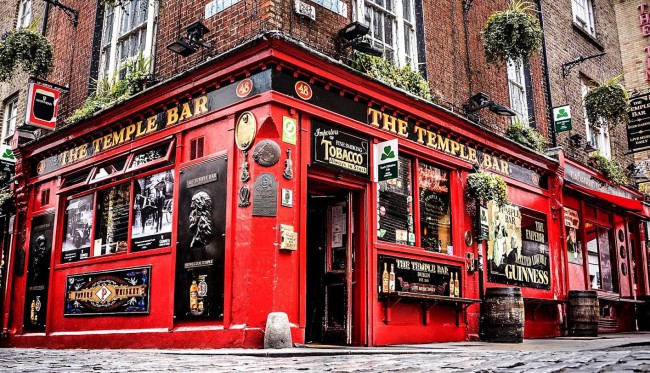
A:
46	13
549	101
468	67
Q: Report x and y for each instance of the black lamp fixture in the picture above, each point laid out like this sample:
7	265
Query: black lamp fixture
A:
352	36
578	142
482	100
188	44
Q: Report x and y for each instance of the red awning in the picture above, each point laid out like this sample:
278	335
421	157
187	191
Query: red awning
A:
628	204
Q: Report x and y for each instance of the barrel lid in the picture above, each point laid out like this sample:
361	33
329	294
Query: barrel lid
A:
503	291
583	294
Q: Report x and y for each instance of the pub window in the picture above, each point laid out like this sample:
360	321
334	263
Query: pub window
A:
435	211
112	220
395	206
151	157
75	180
600	258
77	228
108	170
45	197
196	148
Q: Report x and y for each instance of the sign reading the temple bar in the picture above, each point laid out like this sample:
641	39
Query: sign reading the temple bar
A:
638	125
42	106
582	178
339	150
416	276
518	250
201	240
38	271
115	292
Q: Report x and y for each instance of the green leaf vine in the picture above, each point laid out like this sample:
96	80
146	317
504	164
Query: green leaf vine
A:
526	136
607	101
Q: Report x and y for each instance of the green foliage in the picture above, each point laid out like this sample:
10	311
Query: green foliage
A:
512	34
111	91
487	187
28	48
608	101
6	199
610	168
403	78
526	136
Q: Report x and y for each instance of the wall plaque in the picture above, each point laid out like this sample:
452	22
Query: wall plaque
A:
265	196
38	271
266	153
245	130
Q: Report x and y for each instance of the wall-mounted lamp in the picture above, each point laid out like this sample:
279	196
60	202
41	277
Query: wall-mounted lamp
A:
578	142
482	100
188	44
352	36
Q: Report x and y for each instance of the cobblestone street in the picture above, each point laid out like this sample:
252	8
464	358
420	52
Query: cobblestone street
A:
580	355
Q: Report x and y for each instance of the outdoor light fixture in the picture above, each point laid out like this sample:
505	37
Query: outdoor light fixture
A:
482	100
577	142
190	43
352	36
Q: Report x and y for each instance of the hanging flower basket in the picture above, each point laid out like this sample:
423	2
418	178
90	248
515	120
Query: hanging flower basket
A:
28	48
513	34
610	168
526	136
607	102
486	187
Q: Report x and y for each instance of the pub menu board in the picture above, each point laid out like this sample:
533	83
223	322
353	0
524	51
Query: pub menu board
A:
417	276
78	225
112	220
518	249
340	150
38	271
152	205
201	241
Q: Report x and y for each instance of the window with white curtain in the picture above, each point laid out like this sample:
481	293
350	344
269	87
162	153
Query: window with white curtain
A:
583	15
24	14
517	89
597	133
392	28
10	119
127	32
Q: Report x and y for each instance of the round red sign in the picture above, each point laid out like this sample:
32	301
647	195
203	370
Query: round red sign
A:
303	90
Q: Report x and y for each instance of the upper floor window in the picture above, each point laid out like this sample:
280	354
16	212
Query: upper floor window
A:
10	119
597	133
583	15
127	32
392	28
517	89
24	14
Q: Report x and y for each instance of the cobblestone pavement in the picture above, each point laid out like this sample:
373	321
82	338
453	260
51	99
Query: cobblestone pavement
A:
619	359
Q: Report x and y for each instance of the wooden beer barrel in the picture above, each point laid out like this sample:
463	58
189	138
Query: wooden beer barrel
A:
502	316
583	313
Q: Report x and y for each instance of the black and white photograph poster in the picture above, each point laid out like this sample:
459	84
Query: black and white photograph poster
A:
152	211
78	226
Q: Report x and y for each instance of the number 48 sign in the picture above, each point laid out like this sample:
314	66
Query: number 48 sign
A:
386	156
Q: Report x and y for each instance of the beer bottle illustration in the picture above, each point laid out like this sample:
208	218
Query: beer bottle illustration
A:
384	280
456	287
32	312
194	296
452	289
391	279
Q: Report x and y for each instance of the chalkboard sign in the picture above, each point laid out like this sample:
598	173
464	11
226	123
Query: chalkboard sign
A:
417	276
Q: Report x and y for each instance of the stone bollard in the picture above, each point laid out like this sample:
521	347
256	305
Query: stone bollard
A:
278	332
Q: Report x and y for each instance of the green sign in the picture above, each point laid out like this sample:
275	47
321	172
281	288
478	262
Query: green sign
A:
386	154
562	118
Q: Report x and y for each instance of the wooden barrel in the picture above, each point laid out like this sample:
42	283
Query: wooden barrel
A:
583	313
502	316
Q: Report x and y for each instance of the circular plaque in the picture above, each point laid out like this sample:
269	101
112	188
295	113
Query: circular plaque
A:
468	238
266	153
245	130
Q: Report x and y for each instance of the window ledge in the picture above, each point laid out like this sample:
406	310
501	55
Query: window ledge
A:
115	258
592	39
396	249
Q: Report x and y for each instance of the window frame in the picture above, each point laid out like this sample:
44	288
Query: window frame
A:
24	17
583	15
10	116
597	136
515	72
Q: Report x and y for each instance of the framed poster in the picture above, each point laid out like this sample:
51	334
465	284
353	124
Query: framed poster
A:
573	245
114	292
38	271
201	240
77	229
152	211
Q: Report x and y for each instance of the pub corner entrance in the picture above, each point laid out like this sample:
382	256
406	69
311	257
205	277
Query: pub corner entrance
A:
334	240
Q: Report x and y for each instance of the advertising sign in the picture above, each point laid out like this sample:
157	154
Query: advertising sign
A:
152	207
339	150
201	241
518	250
38	271
638	125
573	245
417	276
114	292
562	118
42	106
386	154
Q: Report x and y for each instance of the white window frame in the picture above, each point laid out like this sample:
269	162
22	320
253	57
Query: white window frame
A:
517	91
402	49
24	14
110	59
583	15
597	135
10	120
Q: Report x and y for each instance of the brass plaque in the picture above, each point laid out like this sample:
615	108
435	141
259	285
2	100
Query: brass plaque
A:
245	130
265	196
266	153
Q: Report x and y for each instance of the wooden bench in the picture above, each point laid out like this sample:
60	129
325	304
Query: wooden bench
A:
617	298
427	301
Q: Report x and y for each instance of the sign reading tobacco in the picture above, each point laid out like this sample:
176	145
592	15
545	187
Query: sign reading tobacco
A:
340	150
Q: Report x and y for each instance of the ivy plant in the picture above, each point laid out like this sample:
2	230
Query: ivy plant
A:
404	78
486	187
526	136
607	102
611	168
29	49
513	34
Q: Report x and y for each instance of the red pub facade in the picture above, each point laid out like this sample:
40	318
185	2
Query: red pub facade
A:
184	216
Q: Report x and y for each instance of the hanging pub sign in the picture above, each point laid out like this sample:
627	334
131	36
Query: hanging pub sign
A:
562	118
42	106
386	154
38	271
339	150
518	250
201	241
114	292
416	276
638	124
